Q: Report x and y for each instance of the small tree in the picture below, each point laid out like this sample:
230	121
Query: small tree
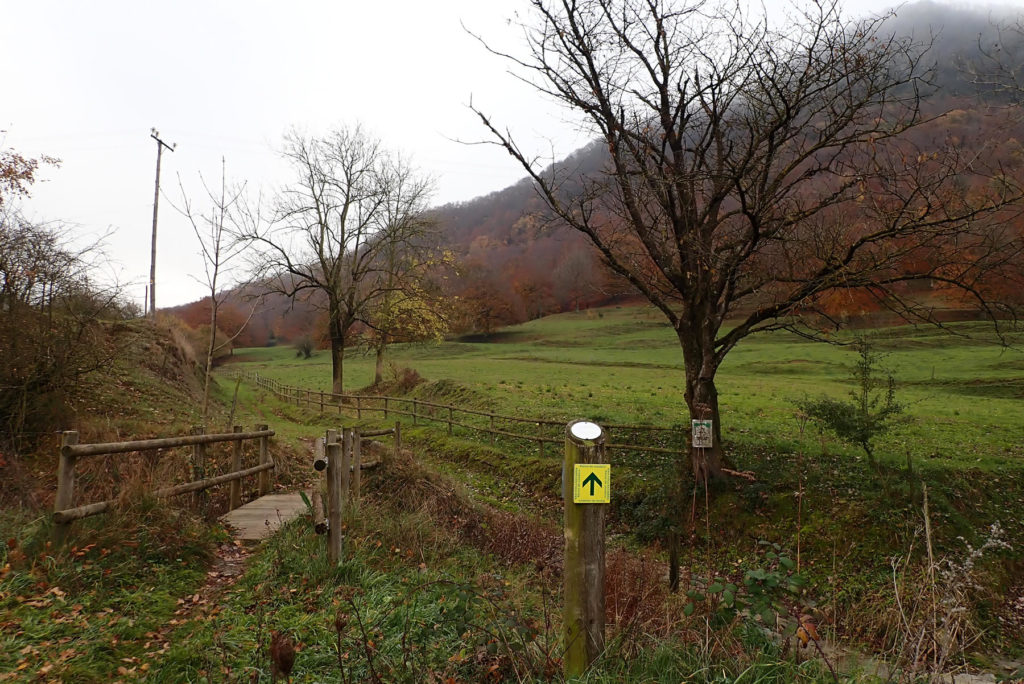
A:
351	203
872	409
218	234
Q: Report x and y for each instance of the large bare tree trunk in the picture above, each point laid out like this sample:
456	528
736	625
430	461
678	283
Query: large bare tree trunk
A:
337	356
702	402
378	369
701	397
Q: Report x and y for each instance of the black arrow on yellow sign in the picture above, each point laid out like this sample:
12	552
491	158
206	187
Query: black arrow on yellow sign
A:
592	480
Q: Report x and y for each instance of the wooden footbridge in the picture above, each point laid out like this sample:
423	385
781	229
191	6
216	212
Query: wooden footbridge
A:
255	520
261	518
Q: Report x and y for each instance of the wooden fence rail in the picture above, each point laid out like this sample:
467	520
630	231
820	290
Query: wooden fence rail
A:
65	512
388	405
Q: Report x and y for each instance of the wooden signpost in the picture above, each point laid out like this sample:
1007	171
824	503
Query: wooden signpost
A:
586	496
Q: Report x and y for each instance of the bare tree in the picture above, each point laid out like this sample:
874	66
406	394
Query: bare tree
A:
410	306
351	201
751	171
218	231
575	276
998	67
51	324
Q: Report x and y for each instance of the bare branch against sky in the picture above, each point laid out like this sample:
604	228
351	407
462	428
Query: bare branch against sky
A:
229	78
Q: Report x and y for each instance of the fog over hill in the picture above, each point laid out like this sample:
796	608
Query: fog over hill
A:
521	265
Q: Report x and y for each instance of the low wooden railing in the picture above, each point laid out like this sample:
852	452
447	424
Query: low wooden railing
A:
65	512
339	454
417	409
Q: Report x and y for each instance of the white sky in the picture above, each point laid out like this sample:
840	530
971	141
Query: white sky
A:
86	81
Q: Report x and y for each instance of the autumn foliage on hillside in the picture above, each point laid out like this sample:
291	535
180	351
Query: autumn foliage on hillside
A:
513	262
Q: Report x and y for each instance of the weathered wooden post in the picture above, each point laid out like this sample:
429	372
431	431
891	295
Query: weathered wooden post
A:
357	464
346	467
321	402
359	408
264	487
319	455
450	414
491	433
385	408
200	498
334	473
65	485
398	439
315	497
235	491
415	410
586	485
199	453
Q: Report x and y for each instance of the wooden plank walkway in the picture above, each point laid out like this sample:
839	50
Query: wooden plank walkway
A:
259	519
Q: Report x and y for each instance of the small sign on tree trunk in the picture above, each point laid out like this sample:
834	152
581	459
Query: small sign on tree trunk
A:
701	434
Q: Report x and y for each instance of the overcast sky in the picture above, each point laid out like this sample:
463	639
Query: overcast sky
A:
86	81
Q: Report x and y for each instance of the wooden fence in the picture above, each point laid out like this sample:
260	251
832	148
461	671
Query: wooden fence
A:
65	512
340	454
453	416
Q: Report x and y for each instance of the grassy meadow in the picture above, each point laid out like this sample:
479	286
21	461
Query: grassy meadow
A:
452	562
961	435
623	365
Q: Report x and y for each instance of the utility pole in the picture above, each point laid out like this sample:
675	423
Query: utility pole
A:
160	145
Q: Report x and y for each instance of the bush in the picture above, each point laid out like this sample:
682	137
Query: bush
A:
304	347
51	332
873	408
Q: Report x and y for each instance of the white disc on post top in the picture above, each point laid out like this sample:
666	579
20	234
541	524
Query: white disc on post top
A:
585	430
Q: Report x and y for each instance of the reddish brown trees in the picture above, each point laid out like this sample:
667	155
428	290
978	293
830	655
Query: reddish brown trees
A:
752	171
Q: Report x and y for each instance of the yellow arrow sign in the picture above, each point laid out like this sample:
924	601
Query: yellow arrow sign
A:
592	483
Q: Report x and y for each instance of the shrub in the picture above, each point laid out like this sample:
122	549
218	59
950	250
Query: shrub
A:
304	347
871	411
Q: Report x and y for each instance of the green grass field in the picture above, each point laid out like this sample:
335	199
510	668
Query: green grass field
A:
448	567
962	435
963	392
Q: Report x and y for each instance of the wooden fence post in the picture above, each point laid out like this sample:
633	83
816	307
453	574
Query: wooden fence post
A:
357	463
583	574
316	496
264	459
235	491
491	433
450	414
65	485
398	438
199	453
346	466
359	409
321	402
415	410
334	472
385	408
200	498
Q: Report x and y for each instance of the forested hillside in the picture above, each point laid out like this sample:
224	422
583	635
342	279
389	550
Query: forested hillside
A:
512	261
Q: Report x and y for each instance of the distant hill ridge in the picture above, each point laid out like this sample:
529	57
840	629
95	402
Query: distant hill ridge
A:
510	254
